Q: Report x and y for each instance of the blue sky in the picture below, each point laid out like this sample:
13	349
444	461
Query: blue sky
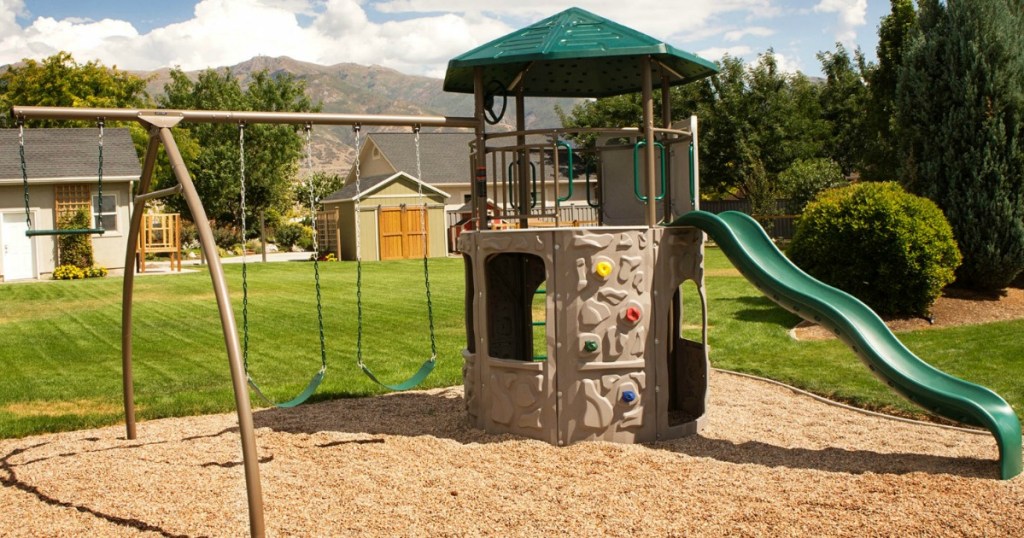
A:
412	36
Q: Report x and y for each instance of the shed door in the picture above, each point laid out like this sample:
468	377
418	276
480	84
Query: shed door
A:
403	232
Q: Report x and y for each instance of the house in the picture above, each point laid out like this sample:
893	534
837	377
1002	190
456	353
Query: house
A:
394	219
62	165
445	165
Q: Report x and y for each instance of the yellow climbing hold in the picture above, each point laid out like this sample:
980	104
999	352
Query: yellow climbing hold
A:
603	269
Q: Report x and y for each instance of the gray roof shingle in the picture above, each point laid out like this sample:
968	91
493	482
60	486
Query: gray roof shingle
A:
55	153
444	157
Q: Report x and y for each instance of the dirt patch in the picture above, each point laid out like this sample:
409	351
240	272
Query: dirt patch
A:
953	308
768	463
58	409
722	272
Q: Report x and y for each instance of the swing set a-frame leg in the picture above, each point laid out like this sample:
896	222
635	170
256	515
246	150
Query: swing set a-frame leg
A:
162	134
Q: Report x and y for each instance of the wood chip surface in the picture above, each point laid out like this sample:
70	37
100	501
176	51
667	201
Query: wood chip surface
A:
769	463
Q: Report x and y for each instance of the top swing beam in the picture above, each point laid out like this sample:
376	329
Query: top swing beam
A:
159	123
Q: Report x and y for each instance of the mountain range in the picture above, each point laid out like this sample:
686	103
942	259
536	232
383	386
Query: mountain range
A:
358	89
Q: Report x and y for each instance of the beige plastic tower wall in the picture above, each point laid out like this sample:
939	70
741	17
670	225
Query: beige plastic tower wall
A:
616	369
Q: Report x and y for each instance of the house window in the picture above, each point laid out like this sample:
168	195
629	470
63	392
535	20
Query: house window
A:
376	153
105	214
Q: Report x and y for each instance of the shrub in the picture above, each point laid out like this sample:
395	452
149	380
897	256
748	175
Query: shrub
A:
805	178
75	249
68	272
305	241
289	234
891	249
226	237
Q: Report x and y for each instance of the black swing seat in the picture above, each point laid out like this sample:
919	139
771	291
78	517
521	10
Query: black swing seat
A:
70	231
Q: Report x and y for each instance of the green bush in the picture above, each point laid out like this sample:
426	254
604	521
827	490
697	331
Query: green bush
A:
75	249
806	178
891	249
68	272
290	234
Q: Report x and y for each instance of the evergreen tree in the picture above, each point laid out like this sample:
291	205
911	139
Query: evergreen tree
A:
844	98
880	159
960	120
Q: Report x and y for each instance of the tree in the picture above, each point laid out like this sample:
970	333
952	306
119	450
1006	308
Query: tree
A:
844	99
60	81
960	120
271	151
806	178
880	159
324	185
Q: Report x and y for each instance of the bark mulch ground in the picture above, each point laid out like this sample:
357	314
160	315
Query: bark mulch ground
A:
768	463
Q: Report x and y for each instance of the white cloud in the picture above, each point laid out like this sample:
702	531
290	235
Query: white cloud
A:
850	14
413	36
717	53
757	31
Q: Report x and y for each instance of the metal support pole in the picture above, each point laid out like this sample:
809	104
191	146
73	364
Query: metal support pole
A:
648	130
127	383
250	460
235	116
523	156
479	186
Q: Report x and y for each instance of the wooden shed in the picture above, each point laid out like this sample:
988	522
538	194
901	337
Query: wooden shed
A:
391	219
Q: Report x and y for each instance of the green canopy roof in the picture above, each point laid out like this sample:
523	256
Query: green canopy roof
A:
574	54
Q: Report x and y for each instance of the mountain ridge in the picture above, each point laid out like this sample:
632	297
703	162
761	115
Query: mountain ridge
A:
360	89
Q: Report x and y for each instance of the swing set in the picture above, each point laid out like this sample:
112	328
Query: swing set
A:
159	123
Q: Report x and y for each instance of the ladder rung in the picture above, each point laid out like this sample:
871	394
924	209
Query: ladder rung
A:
540	358
69	231
540	291
539	323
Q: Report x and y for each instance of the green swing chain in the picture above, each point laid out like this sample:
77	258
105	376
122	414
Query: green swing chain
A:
99	187
316	245
24	170
245	280
426	247
359	261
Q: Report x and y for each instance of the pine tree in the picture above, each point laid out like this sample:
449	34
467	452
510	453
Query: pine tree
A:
960	121
880	155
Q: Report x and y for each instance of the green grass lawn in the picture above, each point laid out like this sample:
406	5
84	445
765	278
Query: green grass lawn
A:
61	365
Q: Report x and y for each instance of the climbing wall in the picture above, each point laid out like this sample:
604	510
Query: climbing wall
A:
606	329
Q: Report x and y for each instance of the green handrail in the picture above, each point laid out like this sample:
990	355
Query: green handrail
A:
636	171
568	148
693	187
533	183
590	203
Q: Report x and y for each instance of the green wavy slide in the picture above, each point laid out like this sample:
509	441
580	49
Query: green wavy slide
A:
743	240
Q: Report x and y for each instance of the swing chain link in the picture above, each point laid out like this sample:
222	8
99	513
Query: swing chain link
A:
24	170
